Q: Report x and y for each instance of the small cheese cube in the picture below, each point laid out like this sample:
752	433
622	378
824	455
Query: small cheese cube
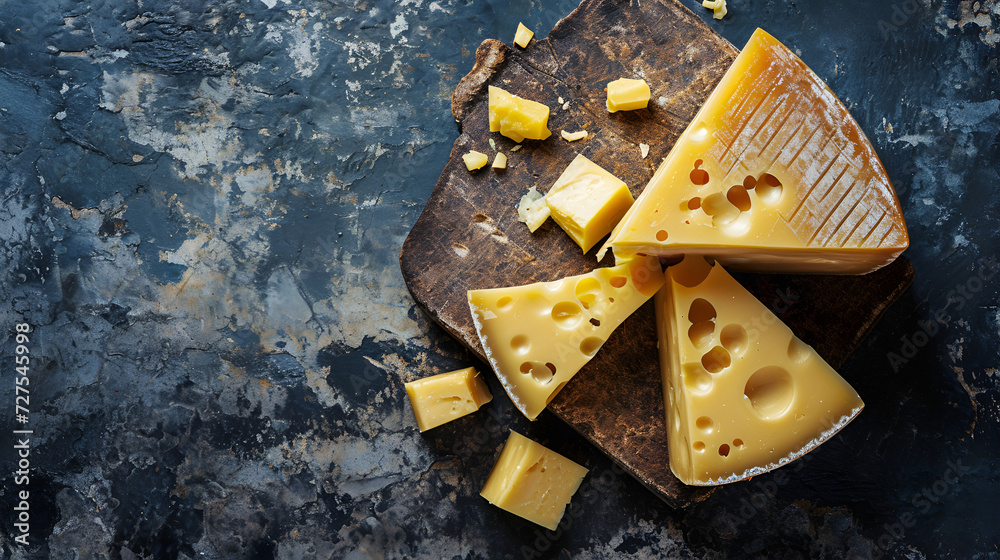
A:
587	201
626	94
444	397
532	481
500	161
523	36
475	160
532	209
517	118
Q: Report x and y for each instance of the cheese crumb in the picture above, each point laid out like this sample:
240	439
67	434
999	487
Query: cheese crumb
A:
574	136
644	148
718	8
500	161
516	148
523	36
565	105
561	100
532	209
475	160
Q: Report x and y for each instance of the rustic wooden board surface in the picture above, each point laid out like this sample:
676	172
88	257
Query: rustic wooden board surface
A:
468	236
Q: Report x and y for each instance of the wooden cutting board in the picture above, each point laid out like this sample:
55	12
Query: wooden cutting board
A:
468	236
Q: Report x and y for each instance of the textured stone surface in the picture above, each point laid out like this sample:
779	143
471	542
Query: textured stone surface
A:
202	209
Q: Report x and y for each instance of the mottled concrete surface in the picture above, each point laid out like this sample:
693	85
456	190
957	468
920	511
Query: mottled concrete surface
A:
202	209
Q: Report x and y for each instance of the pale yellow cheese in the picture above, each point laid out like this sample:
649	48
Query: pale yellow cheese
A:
718	8
539	335
743	395
627	94
500	161
523	36
517	118
587	201
573	136
772	175
475	160
444	397
532	481
532	209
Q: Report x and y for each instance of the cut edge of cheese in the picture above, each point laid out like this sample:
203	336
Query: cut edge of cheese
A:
785	400
772	175
538	336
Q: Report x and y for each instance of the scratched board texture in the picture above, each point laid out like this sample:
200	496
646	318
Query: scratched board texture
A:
203	205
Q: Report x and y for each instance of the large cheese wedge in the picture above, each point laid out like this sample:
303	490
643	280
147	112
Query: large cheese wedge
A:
539	335
743	394
772	175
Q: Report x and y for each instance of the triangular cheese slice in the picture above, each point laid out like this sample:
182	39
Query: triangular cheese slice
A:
539	335
772	175
743	394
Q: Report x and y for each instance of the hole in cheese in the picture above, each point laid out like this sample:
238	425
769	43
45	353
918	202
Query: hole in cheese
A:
618	281
701	333
694	274
738	443
716	359
694	203
699	446
661	235
734	338
749	182
591	345
504	303
705	424
520	344
724	450
739	197
540	372
595	322
567	314
696	379
699	176
587	291
701	310
769	391
798	351
769	189
720	209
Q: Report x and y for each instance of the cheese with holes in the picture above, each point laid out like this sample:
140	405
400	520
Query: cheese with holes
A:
444	397
537	336
587	201
532	481
772	175
626	94
517	118
523	36
743	395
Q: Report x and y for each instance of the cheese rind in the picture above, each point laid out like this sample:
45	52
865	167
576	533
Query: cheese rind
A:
742	394
517	118
532	481
441	398
627	94
538	336
793	182
523	36
587	201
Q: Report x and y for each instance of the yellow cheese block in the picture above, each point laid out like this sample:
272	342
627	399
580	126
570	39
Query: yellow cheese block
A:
772	175
517	118
539	335
444	397
532	481
587	201
523	36
743	395
626	94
